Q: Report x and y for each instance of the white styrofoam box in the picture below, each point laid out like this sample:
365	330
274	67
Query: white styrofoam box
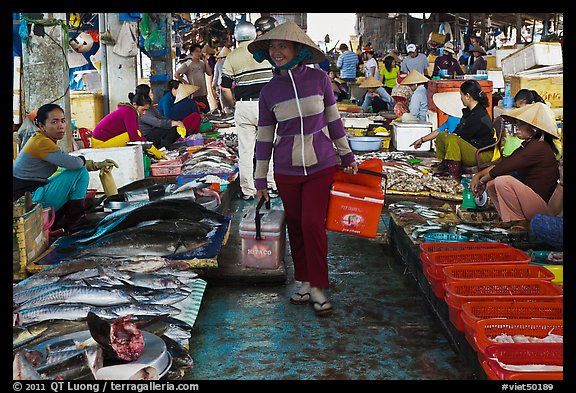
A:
130	160
502	53
532	55
357	122
406	132
497	78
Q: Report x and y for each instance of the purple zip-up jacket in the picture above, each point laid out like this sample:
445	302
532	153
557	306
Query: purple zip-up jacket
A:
300	109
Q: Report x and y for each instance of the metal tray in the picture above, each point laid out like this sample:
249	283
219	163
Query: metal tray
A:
154	354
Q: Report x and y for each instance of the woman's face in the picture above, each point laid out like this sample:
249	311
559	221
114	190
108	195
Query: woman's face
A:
466	99
55	125
197	53
523	130
142	109
281	51
519	103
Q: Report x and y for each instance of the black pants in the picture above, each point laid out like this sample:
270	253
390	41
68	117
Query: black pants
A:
162	137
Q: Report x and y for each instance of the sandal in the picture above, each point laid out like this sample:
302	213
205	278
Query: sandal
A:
320	310
304	298
518	229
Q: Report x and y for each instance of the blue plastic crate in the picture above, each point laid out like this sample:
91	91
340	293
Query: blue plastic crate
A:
444	237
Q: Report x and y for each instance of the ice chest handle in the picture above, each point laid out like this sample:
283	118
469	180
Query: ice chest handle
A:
258	216
368	172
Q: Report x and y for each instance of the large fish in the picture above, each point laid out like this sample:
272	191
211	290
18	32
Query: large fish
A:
70	312
141	241
94	296
23	370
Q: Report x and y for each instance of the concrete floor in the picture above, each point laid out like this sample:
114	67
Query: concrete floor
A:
381	327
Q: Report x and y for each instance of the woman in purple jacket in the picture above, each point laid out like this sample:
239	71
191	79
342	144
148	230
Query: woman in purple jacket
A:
300	124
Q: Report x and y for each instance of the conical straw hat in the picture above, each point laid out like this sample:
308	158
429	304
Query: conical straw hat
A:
413	78
537	115
371	82
288	31
449	102
224	52
184	90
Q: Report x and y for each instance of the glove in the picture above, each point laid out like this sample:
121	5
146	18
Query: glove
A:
156	153
181	131
95	165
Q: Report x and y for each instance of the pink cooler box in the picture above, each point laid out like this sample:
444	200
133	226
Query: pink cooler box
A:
263	235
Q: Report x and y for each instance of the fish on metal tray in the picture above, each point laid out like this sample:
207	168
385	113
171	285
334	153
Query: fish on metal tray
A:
22	369
22	336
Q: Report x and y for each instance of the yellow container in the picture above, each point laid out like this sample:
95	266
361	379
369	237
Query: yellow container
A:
558	271
385	144
550	87
87	109
29	239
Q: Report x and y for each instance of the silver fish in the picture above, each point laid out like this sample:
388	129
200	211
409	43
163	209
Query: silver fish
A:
135	309
71	312
165	296
80	294
23	370
27	294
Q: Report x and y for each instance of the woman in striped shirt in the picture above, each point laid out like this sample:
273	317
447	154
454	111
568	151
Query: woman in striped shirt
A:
300	124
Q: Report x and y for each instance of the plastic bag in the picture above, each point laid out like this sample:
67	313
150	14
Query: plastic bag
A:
26	130
127	43
154	41
145	25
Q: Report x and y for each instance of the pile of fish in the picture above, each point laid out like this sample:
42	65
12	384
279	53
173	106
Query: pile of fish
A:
151	292
215	157
420	219
168	227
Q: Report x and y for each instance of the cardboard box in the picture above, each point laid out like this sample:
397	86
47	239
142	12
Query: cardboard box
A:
130	160
437	38
531	56
354	209
268	251
29	238
549	86
490	62
406	132
87	109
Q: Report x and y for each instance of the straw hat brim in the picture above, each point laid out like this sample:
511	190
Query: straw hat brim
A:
477	49
370	82
288	31
448	48
185	90
414	77
207	49
449	102
537	115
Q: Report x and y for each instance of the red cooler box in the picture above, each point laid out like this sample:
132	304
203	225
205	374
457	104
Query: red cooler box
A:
263	234
354	209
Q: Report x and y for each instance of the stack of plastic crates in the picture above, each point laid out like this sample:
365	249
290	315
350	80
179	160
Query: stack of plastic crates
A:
535	362
474	311
496	289
465	253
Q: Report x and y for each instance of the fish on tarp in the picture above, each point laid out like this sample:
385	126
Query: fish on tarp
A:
136	310
163	296
27	294
70	312
142	241
79	294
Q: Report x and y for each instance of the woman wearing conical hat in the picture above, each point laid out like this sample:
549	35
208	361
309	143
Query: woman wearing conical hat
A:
185	107
300	124
419	100
376	96
521	184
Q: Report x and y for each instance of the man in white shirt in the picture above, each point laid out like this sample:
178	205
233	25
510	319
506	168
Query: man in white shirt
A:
414	61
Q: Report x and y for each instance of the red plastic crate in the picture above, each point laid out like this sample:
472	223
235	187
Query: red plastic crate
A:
474	311
436	283
486	329
440	259
166	168
468	272
459	292
551	354
457	246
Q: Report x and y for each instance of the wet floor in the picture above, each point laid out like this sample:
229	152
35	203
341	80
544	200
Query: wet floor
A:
381	327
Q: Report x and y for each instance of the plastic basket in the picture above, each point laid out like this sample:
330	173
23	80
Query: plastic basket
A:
444	237
520	354
468	272
474	311
496	289
166	168
486	330
440	259
428	247
457	246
